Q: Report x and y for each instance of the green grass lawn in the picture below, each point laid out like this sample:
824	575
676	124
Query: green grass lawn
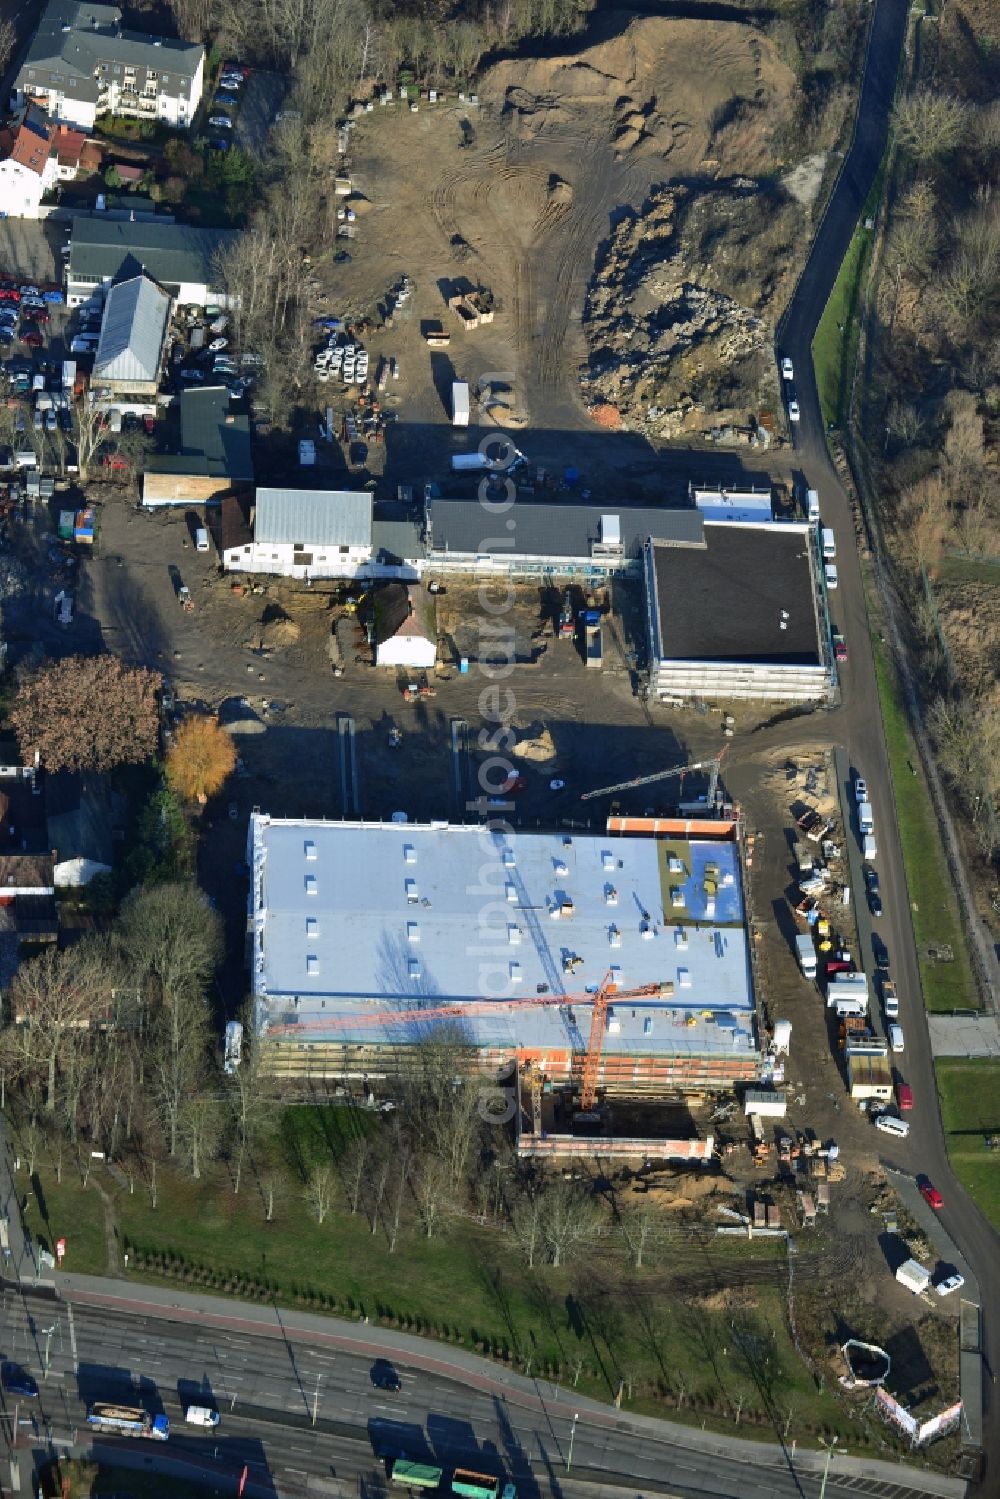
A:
968	570
835	346
67	1211
936	920
594	1321
836	342
969	1090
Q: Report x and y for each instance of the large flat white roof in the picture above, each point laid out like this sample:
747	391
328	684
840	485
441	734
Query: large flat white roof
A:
357	918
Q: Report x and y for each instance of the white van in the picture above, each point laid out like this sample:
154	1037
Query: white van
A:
812	504
896	1037
829	544
869	848
201	539
866	817
115	419
890	1125
201	1415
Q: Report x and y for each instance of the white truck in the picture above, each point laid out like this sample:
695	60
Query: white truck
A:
805	951
459	404
914	1276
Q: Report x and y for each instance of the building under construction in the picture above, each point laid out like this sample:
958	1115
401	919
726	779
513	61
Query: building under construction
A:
616	965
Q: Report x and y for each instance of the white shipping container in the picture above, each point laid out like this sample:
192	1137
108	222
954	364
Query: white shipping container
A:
460	404
914	1276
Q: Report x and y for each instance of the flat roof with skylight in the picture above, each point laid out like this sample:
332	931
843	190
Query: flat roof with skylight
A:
361	919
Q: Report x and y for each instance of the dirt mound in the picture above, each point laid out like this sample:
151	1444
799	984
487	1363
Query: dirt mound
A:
661	83
536	750
274	634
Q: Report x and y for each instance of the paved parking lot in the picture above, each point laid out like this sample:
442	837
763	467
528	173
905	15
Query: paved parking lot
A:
260	101
30	248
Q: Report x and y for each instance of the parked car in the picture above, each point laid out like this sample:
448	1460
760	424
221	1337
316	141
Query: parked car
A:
187	373
218	145
930	1194
31	337
51	421
860	789
890	1125
218	344
31	291
787	373
950	1283
17	1381
874	895
149	425
830	571
839	647
220	122
794	414
904	1096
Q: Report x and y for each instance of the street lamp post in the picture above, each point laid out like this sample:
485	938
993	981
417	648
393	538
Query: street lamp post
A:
48	1343
315	1410
572	1434
829	1458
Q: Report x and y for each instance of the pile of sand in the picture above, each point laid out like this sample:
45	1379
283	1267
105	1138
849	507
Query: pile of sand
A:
274	635
537	750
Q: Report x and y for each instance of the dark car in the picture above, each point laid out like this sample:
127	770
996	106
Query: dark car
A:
384	1377
874	897
880	951
17	1381
31	337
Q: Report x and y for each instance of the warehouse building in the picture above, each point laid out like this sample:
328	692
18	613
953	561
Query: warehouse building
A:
742	615
130	352
305	533
367	939
182	259
533	538
214	460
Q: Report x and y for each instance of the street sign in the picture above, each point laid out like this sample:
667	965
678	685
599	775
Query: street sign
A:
60	1249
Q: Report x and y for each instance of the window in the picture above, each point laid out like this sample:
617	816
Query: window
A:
116	67
312	926
298	546
150	76
344	551
312	965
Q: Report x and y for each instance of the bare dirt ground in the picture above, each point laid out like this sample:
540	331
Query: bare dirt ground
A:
520	193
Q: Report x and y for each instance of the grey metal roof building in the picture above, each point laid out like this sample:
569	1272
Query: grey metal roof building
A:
742	616
182	259
541	536
313	517
132	336
359	928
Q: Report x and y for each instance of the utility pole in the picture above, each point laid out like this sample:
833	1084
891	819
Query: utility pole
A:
829	1458
48	1343
319	1376
572	1434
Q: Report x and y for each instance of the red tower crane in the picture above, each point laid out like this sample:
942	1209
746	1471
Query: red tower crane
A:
599	1000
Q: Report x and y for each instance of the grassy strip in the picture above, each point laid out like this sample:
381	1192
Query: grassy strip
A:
592	1324
835	345
936	920
969	1090
967	570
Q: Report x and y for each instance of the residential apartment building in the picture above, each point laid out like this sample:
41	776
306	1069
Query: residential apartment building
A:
81	64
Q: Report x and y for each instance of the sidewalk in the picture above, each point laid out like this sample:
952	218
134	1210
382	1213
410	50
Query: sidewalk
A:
18	1267
163	1302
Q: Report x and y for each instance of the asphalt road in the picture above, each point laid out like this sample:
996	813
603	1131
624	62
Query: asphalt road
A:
858	723
292	1411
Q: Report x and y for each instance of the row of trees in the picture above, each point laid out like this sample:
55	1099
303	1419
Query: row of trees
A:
939	307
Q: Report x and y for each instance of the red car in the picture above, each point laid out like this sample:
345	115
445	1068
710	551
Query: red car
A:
32	338
904	1096
9	294
149	425
931	1196
839	646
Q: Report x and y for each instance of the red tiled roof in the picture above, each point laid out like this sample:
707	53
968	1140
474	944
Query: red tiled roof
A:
69	146
31	144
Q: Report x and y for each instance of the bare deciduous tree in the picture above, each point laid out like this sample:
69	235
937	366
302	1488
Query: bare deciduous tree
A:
320	1186
930	124
569	1221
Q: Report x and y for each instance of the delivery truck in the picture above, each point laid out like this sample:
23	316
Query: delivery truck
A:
805	951
128	1421
459	404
